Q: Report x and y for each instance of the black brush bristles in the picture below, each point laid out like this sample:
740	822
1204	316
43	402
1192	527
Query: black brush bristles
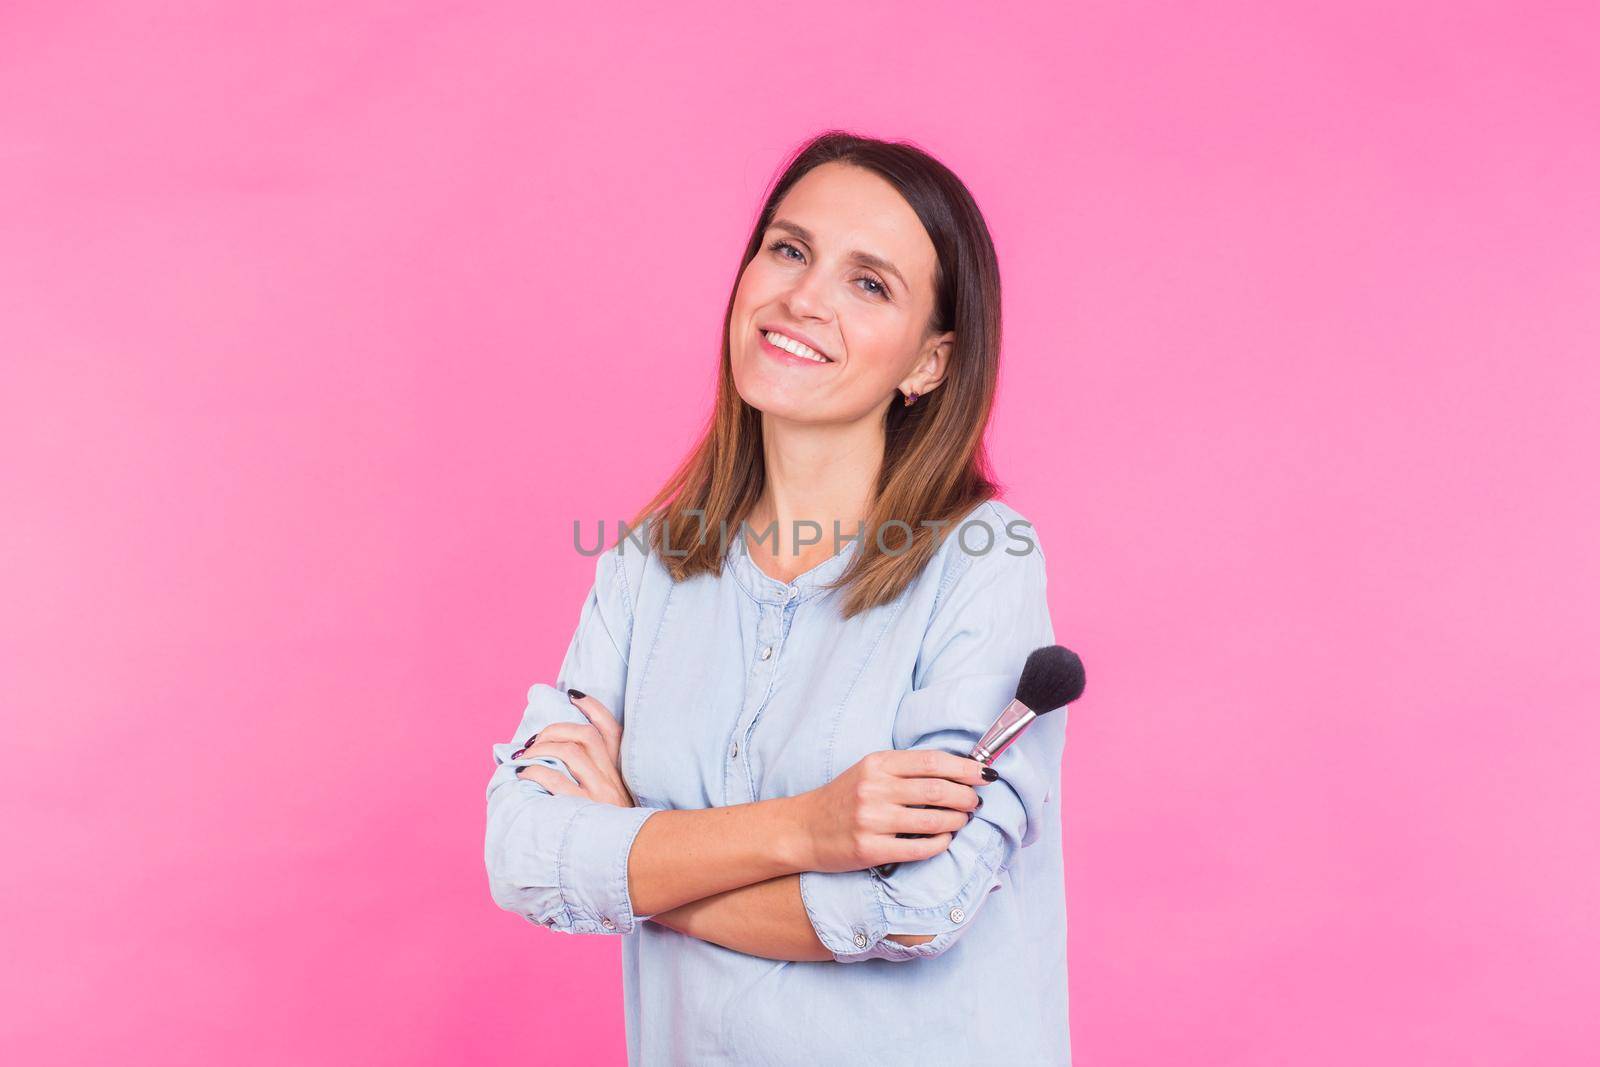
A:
1052	677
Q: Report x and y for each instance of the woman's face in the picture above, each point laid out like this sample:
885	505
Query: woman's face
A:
869	316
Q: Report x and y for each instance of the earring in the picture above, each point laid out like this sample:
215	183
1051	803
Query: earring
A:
911	398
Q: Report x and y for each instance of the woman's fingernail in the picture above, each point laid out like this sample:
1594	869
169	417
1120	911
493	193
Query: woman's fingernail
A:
980	803
517	754
576	694
990	774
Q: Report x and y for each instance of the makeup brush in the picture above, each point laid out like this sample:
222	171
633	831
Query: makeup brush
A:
1051	678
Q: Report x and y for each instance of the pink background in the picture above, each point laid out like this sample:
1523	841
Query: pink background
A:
321	323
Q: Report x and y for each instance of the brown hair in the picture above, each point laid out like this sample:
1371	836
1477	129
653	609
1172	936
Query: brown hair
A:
935	468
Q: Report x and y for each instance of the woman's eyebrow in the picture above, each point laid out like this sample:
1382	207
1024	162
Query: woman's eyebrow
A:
864	258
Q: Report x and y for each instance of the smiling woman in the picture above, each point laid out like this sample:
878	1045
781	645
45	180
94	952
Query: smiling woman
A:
740	736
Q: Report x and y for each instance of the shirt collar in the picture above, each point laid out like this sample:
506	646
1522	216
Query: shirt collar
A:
766	589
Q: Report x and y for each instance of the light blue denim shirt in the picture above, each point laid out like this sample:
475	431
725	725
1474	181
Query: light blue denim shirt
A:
739	687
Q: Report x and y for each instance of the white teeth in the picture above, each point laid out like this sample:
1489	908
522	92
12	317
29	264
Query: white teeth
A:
795	347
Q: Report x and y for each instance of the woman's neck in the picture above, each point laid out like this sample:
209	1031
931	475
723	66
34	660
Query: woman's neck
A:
814	474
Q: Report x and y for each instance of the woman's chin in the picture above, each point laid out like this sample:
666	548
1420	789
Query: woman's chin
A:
779	399
783	408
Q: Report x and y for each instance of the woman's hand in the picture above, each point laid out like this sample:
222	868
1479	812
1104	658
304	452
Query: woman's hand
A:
593	753
852	821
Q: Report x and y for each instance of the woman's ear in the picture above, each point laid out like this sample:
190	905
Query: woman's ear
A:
929	369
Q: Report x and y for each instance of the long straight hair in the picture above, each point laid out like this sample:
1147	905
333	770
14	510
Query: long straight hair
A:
935	468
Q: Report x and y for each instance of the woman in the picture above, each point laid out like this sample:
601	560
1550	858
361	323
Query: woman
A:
744	730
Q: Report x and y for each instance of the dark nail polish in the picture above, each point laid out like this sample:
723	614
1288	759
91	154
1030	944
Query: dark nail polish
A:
517	754
980	803
576	694
990	774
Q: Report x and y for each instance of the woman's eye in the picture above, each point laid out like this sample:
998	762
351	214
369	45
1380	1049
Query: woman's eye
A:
779	246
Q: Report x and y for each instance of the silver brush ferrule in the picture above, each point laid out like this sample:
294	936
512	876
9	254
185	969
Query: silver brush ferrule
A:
1010	723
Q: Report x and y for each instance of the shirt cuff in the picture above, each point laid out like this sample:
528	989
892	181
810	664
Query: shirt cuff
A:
854	911
941	895
592	868
846	911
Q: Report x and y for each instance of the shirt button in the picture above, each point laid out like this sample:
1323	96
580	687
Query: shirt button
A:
956	915
734	751
766	653
793	593
607	923
861	939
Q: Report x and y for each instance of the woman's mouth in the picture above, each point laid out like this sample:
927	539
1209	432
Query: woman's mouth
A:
791	352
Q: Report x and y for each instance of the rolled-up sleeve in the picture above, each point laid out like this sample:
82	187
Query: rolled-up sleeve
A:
992	613
562	861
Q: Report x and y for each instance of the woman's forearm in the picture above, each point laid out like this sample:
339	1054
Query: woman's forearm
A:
767	919
685	855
